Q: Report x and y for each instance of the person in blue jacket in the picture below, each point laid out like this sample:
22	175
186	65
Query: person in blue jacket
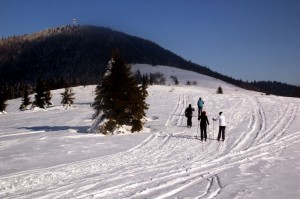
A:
200	106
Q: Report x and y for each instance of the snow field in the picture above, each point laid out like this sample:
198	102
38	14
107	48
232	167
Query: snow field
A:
47	154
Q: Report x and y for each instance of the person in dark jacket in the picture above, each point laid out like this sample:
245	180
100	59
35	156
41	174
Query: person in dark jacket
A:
189	114
203	125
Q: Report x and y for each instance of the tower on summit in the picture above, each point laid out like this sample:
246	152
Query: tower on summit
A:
74	22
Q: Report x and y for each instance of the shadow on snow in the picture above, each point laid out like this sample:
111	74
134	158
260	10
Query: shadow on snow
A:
79	129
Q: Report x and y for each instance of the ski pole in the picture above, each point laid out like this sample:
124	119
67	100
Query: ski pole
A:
208	131
213	129
198	128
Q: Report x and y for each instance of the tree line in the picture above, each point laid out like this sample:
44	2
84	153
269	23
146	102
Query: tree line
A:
42	97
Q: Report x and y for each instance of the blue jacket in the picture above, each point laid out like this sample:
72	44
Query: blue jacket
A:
200	103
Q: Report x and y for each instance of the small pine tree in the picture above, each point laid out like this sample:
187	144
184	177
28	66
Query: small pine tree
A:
119	98
145	80
40	96
138	76
43	95
219	90
67	97
139	110
48	97
297	91
175	79
8	91
3	99
26	99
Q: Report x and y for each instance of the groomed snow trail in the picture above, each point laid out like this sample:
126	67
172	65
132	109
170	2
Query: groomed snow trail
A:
172	163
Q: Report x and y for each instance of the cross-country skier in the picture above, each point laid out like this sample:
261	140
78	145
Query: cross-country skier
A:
200	106
222	126
203	125
189	114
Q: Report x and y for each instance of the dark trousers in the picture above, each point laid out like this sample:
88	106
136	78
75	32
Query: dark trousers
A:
221	132
189	121
203	132
199	111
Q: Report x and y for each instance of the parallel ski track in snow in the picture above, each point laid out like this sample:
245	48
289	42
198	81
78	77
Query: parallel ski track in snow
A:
174	160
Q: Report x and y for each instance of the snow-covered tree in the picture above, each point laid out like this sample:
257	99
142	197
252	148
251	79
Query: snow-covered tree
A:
119	100
26	99
67	97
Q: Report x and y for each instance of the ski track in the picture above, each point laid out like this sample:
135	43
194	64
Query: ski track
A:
176	160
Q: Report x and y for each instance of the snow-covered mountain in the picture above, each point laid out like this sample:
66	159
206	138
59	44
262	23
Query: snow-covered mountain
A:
48	154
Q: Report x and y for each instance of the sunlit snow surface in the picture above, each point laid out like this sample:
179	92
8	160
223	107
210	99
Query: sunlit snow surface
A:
48	154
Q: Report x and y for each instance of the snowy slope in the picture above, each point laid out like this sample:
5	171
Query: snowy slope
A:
48	154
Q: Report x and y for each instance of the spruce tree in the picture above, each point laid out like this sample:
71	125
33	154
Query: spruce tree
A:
48	96
119	99
8	91
219	90
40	96
67	97
26	99
138	76
175	79
43	94
140	108
3	99
145	79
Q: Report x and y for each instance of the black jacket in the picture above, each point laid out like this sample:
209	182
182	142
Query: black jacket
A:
203	120
189	112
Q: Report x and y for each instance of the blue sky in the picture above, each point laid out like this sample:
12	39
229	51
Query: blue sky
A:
244	39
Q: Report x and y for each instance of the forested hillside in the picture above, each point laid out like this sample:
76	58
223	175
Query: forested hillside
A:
75	53
78	55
